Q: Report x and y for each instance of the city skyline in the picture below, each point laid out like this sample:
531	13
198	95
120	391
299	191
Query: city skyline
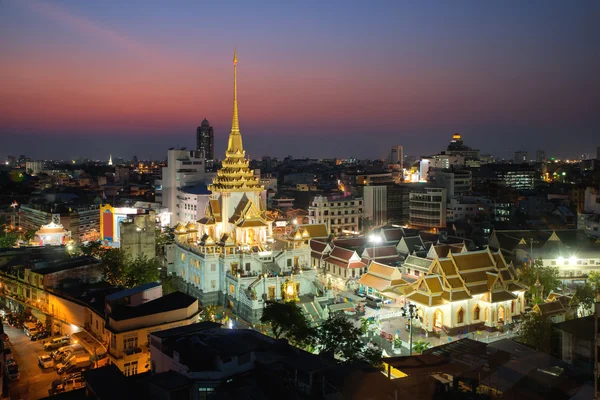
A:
405	75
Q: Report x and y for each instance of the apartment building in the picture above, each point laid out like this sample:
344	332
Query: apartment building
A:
428	208
341	215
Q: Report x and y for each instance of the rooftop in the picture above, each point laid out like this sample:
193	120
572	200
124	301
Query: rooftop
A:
170	302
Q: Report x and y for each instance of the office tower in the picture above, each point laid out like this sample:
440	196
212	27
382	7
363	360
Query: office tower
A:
205	140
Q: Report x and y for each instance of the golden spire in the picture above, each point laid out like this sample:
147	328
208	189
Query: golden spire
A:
235	174
235	138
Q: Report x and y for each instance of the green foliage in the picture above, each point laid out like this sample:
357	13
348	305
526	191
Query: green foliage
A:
121	270
338	336
373	355
29	234
594	280
585	297
286	319
364	325
397	342
8	240
164	237
536	331
209	313
420	346
169	284
548	278
94	249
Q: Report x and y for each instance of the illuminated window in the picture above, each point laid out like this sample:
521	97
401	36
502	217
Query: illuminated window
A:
460	316
182	257
476	313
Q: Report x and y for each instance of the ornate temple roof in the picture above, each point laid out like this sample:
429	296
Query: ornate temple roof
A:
235	174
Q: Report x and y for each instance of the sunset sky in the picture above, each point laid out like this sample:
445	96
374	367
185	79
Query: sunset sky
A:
318	79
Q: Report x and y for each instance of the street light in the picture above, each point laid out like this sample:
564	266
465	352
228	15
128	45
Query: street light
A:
410	313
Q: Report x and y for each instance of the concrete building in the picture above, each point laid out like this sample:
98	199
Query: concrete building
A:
458	183
375	204
429	165
428	208
341	214
516	176
521	157
205	140
397	157
467	208
138	235
191	202
34	167
209	356
184	169
540	156
130	323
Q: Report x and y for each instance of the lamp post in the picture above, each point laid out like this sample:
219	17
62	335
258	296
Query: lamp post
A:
376	239
409	312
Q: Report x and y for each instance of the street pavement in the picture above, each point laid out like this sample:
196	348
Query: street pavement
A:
34	382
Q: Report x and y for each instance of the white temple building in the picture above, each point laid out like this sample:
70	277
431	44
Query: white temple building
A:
230	256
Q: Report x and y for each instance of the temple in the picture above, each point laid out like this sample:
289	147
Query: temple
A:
230	255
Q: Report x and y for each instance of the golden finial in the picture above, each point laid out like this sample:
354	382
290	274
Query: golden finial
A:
234	56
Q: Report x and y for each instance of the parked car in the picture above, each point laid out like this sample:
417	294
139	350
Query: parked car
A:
8	355
56	343
40	335
45	361
72	382
65	351
77	363
12	370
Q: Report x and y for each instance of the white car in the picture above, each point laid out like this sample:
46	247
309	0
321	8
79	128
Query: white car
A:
45	361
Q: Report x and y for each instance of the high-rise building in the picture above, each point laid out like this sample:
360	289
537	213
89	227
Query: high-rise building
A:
521	157
540	156
458	148
184	169
205	140
397	156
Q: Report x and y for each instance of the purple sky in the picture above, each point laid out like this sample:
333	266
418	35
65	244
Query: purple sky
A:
316	79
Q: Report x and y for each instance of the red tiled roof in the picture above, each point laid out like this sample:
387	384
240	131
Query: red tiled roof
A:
317	246
341	253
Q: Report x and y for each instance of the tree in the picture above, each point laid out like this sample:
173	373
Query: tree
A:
209	313
94	249
420	346
113	264
8	240
594	280
536	331
373	355
118	269
163	237
141	270
548	278
585	297
286	319
29	234
338	336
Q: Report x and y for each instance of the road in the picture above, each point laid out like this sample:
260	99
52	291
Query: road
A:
34	382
